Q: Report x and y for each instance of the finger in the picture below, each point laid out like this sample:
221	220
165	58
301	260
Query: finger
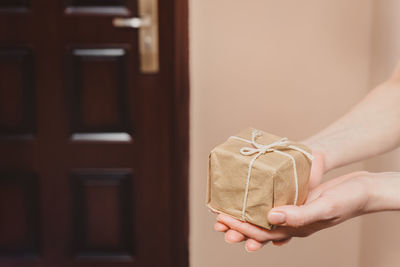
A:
252	245
252	231
213	211
232	236
298	216
282	242
220	227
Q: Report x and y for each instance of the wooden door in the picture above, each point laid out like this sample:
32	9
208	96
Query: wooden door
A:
89	171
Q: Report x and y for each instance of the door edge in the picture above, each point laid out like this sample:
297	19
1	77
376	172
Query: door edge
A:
180	136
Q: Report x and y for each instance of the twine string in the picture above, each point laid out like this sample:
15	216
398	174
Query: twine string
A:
257	150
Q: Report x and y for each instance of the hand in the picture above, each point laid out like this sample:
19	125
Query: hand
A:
327	205
317	170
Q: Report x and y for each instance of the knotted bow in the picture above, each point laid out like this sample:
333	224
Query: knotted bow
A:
258	150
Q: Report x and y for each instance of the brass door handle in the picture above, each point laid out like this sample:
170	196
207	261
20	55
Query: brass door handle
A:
131	22
147	24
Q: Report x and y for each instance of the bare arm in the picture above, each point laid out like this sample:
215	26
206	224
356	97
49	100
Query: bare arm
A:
370	128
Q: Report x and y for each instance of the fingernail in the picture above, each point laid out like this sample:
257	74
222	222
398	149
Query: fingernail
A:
248	250
277	217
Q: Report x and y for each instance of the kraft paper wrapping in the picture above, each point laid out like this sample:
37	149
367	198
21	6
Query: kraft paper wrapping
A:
271	184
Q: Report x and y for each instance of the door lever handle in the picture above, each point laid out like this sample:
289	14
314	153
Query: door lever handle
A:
147	23
132	22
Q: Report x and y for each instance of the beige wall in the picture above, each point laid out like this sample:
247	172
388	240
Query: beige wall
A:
380	235
290	68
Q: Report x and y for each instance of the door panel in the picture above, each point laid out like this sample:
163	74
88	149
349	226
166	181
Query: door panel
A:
103	214
99	105
100	7
85	137
19	228
98	3
6	4
17	109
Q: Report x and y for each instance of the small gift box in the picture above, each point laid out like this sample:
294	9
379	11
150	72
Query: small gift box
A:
255	171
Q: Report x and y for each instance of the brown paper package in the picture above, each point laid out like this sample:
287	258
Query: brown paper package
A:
271	183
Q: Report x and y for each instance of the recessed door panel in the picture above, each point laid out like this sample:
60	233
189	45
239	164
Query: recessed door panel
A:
103	214
19	215
98	89
5	4
97	3
17	108
99	7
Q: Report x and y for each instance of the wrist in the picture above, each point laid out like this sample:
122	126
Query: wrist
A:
318	151
382	191
372	197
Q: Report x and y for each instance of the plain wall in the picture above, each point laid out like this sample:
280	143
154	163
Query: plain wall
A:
380	234
287	67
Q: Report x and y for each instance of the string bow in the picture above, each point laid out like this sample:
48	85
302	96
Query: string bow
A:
262	149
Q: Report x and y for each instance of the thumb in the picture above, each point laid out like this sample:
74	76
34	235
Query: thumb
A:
298	216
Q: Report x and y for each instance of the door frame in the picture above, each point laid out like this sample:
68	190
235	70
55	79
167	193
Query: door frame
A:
180	136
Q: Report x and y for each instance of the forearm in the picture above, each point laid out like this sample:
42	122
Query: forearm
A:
383	192
370	128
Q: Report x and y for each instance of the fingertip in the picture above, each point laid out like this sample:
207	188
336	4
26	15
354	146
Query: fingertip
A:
232	236
277	217
252	245
285	215
220	227
221	217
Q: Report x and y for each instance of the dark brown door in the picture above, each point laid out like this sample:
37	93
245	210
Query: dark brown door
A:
86	139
